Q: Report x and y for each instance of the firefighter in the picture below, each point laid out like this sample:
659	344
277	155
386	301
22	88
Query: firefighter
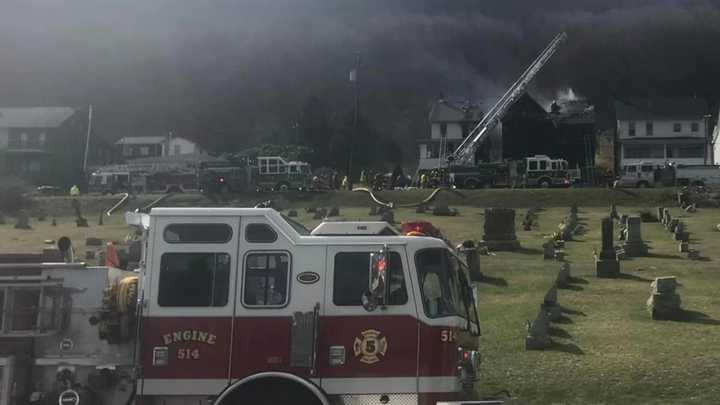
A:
74	191
345	185
423	180
363	180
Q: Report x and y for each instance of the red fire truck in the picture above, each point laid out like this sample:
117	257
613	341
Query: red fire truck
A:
245	306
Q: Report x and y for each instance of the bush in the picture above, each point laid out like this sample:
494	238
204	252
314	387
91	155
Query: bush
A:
14	195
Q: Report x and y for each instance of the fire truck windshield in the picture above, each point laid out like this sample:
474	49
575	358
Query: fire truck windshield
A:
444	289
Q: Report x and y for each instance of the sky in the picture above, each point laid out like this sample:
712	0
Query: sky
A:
226	72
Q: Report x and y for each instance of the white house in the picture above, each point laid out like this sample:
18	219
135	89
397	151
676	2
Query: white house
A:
450	123
663	131
155	146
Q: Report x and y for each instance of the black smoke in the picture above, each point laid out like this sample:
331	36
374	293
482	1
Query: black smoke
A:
235	73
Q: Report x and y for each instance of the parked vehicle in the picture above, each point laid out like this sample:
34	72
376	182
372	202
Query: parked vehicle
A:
536	171
276	174
643	174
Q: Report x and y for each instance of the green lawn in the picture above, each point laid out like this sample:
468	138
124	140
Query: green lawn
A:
608	350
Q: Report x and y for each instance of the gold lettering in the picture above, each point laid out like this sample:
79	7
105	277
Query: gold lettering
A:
186	335
211	339
167	338
177	336
194	335
203	337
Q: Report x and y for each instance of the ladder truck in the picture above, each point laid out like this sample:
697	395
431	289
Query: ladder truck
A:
461	163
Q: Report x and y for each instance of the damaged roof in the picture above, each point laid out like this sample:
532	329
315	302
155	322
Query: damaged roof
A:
661	109
449	111
34	117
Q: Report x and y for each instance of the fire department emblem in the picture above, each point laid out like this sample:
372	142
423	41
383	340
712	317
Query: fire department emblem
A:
369	346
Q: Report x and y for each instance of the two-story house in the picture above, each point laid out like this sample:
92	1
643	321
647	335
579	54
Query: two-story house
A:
661	131
132	147
43	145
450	123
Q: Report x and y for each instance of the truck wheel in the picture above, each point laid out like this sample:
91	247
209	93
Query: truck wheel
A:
545	183
282	186
642	184
471	184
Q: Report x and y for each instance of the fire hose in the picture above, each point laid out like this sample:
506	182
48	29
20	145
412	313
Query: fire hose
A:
391	204
119	204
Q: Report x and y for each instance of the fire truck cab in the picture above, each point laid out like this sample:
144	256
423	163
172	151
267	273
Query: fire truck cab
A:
246	306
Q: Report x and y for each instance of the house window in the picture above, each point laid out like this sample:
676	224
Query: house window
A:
350	278
649	128
194	280
677	127
631	128
144	150
266	279
644	151
465	129
690	151
695	127
428	151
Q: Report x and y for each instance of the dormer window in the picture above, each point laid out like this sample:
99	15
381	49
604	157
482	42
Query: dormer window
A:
677	127
695	127
631	128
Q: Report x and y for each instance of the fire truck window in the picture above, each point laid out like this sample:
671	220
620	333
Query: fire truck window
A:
194	280
350	278
25	306
543	165
439	284
197	233
260	233
266	279
533	165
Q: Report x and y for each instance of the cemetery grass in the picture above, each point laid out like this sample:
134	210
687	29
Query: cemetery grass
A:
607	349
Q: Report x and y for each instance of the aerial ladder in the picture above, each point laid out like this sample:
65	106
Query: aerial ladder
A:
464	155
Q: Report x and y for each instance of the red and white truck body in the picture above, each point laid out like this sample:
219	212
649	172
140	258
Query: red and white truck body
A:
287	306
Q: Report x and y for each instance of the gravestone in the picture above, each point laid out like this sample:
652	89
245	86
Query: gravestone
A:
100	219
607	264
660	213
441	209
683	247
538	334
388	216
499	229
23	220
672	225
563	276
559	255
472	258
664	302
681	235
634	245
334	212
292	214
693	254
54	222
320	213
574	209
549	249
91	241
550	304
666	217
613	211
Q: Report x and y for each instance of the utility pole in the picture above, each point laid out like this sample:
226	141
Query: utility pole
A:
87	140
351	143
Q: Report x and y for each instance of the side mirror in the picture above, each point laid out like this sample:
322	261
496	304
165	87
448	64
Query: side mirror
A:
377	286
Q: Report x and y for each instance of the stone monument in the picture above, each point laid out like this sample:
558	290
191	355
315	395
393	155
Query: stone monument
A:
550	304
549	249
606	263
664	302
563	276
634	245
538	336
499	230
